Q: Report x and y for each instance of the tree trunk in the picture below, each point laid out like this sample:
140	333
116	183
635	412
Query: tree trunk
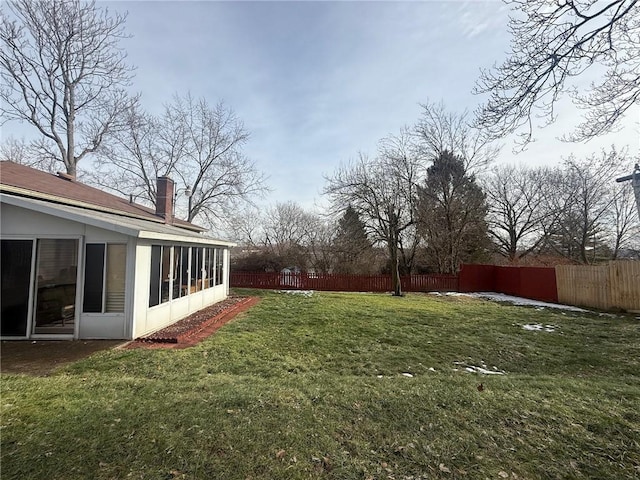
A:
190	213
395	272
70	161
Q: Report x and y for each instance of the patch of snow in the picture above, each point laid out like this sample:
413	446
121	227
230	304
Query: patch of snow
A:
501	297
538	327
304	293
484	371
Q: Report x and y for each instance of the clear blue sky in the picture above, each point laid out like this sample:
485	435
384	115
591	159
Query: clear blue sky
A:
317	82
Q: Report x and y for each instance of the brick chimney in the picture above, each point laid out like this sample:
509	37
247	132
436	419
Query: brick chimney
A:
164	199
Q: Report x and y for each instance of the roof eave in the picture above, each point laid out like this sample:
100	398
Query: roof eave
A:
180	238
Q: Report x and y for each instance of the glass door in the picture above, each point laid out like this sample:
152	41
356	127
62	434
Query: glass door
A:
55	289
16	281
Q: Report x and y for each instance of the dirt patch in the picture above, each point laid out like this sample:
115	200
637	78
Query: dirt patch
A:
40	358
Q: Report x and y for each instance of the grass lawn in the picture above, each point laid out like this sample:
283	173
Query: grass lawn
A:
315	387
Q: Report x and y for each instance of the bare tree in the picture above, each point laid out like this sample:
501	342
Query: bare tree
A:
285	235
552	43
581	196
516	213
320	242
16	151
286	226
198	145
19	151
244	226
625	224
439	131
64	73
288	232
382	191
131	163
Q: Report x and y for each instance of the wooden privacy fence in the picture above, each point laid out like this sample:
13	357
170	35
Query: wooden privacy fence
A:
616	285
342	283
538	283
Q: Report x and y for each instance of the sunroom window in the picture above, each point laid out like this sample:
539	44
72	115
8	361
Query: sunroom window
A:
104	278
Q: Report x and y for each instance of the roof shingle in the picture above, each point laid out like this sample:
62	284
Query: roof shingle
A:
26	181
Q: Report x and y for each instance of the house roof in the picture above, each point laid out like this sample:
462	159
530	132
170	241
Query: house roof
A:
135	227
20	180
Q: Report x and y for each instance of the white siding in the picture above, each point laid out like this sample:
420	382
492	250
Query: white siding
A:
18	221
23	223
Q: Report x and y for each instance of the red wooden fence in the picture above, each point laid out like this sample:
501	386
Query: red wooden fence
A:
342	283
538	283
528	282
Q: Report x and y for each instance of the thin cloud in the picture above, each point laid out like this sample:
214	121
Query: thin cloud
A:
317	82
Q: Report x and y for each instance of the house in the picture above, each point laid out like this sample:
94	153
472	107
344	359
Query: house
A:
80	263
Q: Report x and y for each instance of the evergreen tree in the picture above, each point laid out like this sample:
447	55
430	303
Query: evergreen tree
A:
451	214
353	249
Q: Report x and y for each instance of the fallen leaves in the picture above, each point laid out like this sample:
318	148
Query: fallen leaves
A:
281	455
322	464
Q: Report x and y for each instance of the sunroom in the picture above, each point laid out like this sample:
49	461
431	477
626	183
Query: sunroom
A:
73	270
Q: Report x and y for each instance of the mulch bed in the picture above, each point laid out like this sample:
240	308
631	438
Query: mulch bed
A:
191	330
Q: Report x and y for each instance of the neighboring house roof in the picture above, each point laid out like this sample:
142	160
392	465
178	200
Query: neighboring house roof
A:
25	181
32	189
